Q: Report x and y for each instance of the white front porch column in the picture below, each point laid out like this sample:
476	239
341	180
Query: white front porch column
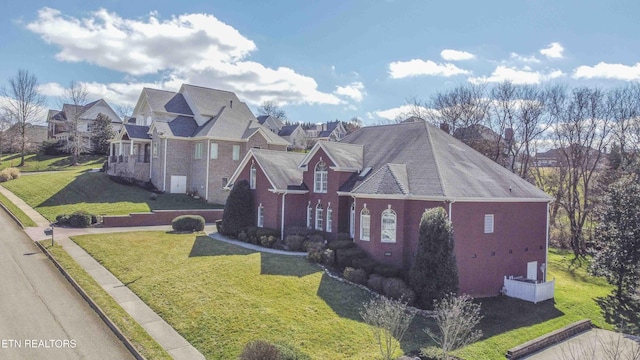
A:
131	147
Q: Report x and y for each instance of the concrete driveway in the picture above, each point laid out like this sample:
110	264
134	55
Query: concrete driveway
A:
591	345
41	315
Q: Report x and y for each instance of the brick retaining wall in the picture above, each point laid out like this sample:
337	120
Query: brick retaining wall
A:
158	217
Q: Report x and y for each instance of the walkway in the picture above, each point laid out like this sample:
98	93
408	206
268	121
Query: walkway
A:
160	330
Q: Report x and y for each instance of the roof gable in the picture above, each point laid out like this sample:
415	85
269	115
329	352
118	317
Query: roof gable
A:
343	156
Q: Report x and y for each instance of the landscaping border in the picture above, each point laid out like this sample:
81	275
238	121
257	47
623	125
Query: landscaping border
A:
93	305
13	216
549	339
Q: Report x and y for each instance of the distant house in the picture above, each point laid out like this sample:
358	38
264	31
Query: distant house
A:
559	156
330	131
293	133
12	138
377	182
189	141
59	121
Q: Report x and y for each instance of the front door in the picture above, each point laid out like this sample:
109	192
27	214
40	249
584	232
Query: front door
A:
532	270
178	184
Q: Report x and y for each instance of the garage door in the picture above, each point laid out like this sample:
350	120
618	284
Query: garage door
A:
178	184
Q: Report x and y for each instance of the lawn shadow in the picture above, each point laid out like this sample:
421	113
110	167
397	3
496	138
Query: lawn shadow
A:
97	187
625	316
344	299
286	265
206	246
503	314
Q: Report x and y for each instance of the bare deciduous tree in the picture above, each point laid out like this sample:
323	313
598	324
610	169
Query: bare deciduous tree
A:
626	122
461	107
456	318
389	320
5	124
271	109
75	97
23	104
582	123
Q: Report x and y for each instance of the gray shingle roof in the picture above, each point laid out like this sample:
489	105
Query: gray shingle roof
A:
389	179
137	131
437	165
167	101
181	126
288	130
348	156
280	167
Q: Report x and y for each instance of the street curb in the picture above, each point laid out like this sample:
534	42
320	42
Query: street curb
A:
93	305
15	218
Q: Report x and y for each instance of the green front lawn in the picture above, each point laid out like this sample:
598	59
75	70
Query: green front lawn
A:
220	296
510	322
64	192
24	219
39	162
136	334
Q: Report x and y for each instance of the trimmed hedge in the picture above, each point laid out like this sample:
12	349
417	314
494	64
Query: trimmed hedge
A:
295	242
188	223
344	257
397	289
260	350
357	276
341	244
78	219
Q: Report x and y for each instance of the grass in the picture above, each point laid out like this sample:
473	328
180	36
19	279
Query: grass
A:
24	219
510	322
39	162
220	296
64	192
138	337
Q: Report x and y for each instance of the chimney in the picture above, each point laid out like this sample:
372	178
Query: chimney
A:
508	135
444	127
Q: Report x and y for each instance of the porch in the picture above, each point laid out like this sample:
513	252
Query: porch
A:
528	289
131	159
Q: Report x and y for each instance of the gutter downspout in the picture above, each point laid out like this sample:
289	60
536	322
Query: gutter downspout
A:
546	254
164	184
282	217
206	184
450	203
150	160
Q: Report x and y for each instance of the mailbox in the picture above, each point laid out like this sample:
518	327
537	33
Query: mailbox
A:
48	231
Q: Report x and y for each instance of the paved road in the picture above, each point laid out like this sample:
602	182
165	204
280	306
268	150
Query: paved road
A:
41	315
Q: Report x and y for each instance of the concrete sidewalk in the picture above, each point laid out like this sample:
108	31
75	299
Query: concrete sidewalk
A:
160	330
592	344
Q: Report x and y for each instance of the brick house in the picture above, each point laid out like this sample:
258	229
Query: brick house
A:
189	141
377	182
293	133
59	121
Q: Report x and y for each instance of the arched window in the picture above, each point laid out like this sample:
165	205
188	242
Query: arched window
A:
309	215
252	176
319	218
388	227
329	218
260	216
365	224
320	177
352	220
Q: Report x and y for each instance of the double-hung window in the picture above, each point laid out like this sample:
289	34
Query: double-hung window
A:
319	217
488	223
320	177
329	218
252	176
388	226
260	216
198	152
309	215
365	224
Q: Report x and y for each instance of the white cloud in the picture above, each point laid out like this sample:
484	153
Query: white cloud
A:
417	67
553	51
517	76
195	48
523	58
399	112
608	71
355	91
456	55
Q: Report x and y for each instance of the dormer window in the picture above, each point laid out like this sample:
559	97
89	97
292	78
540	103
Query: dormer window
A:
320	177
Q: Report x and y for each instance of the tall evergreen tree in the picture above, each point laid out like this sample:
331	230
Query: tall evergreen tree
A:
434	272
618	236
239	211
101	133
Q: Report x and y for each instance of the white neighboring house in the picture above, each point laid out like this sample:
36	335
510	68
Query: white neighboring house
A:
59	121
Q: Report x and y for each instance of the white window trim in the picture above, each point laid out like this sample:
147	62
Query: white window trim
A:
319	217
320	178
235	152
154	149
365	214
329	222
489	223
260	215
214	153
198	151
392	236
252	177
309	215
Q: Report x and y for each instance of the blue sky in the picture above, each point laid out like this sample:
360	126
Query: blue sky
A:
319	60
